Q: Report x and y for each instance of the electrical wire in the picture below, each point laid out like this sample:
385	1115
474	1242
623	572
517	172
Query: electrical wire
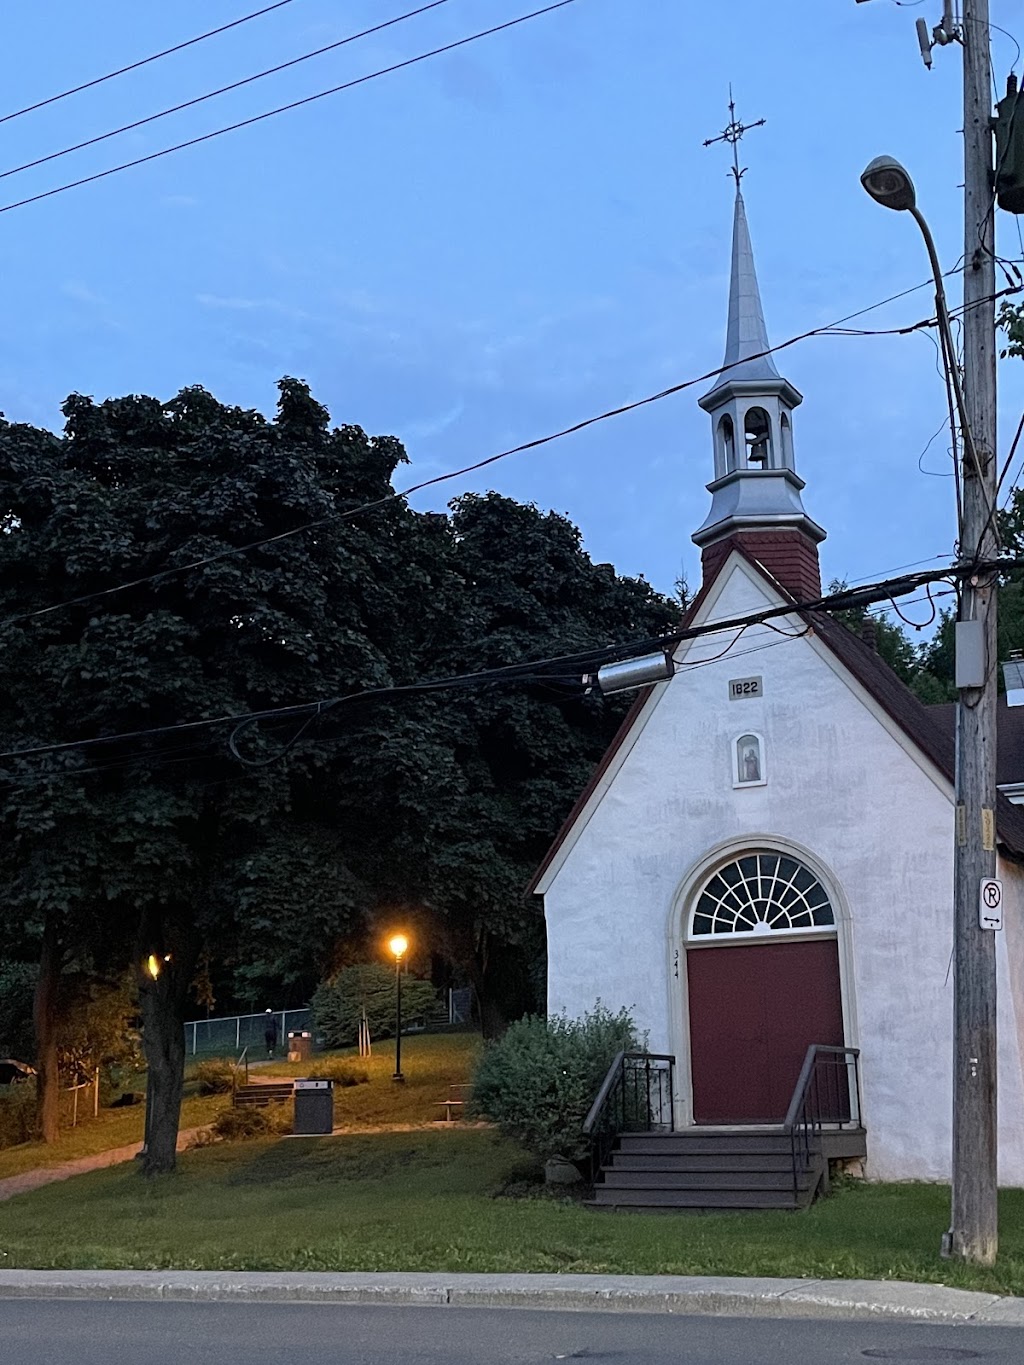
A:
222	90
145	61
539	670
285	108
472	468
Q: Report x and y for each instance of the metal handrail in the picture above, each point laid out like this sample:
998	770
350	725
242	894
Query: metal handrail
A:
244	1057
607	1085
602	1123
803	1116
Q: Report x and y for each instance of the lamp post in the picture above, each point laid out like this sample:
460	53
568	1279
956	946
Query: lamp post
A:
398	945
973	1232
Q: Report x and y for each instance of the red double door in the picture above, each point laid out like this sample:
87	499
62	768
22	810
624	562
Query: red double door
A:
754	1011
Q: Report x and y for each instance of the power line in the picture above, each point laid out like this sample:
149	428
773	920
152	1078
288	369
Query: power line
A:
539	670
145	61
284	108
223	90
533	444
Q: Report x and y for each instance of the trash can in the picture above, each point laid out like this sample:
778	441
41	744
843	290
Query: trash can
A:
300	1046
314	1107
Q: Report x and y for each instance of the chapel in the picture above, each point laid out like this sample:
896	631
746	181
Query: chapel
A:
762	862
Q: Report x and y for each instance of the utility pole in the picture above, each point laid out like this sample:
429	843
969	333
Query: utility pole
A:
973	1233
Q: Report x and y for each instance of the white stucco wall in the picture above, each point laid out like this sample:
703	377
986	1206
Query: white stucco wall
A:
848	794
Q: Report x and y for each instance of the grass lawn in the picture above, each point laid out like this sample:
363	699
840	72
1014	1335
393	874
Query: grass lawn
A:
431	1200
113	1128
429	1063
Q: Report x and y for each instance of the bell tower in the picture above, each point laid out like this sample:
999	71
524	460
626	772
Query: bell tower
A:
756	492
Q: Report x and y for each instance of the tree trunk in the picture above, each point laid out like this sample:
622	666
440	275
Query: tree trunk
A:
44	1017
163	1039
163	998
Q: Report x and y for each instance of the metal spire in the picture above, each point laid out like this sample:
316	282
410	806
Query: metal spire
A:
747	335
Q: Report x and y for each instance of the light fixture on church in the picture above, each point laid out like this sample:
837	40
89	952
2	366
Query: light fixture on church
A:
1013	677
628	673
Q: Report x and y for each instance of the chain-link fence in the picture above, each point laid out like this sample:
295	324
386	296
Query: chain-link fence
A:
227	1036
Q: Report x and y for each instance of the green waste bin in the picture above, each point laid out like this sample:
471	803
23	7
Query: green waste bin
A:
314	1107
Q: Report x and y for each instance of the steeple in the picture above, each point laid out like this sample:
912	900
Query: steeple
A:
755	494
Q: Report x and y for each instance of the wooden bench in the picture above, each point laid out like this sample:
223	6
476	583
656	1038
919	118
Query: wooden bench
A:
448	1105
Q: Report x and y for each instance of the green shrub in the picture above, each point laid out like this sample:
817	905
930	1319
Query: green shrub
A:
214	1077
538	1081
341	1071
252	1121
339	1003
17	1113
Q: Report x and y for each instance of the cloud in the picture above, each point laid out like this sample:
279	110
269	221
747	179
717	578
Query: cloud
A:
244	305
424	427
81	293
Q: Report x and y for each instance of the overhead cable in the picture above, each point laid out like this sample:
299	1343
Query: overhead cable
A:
389	498
145	61
539	670
222	90
284	108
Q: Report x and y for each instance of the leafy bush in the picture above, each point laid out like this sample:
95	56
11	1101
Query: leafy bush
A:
251	1121
338	1004
214	1077
538	1081
341	1071
17	1113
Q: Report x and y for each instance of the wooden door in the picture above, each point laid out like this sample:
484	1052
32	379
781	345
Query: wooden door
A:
754	1010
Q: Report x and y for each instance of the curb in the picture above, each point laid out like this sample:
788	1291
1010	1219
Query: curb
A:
721	1296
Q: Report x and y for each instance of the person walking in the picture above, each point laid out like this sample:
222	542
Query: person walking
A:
270	1034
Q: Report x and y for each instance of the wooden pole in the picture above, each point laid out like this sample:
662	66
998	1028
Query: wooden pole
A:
973	1234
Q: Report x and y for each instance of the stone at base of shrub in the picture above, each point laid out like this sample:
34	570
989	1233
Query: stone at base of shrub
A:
558	1171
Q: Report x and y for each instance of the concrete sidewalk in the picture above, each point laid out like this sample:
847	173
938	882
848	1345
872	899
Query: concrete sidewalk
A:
722	1296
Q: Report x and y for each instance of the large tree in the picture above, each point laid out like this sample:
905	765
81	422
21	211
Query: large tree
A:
158	843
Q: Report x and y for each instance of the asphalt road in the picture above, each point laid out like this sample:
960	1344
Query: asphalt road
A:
61	1332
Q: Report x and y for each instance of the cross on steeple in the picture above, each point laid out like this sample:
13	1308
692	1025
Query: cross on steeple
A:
733	134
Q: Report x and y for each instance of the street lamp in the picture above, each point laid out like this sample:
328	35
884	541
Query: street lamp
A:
398	945
889	184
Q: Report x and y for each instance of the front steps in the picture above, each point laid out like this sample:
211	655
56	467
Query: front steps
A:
262	1093
704	1169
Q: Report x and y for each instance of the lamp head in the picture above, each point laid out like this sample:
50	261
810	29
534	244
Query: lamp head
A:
398	945
889	183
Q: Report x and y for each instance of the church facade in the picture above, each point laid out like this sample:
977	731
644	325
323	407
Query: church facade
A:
763	860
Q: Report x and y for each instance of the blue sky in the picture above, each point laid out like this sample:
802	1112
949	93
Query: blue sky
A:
504	240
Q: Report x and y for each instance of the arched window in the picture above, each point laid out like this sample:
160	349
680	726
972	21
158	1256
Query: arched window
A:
727	442
758	437
762	893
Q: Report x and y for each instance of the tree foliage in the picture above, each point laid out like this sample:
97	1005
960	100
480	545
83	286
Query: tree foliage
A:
338	1004
160	843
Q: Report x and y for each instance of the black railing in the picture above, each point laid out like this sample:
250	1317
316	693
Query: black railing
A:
636	1096
827	1094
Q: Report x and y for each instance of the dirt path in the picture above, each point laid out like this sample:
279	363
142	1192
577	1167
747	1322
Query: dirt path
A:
46	1175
